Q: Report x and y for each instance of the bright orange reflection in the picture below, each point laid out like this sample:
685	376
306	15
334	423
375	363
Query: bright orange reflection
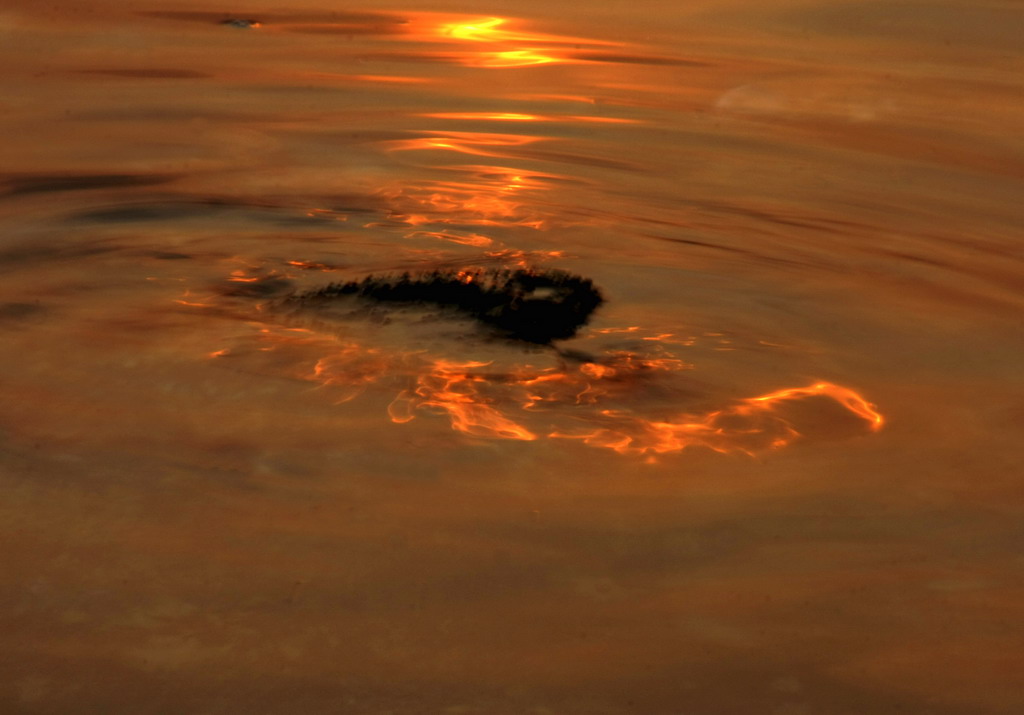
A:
476	143
846	397
492	29
488	196
472	239
345	368
448	387
753	425
519	58
514	258
495	116
351	367
516	117
312	266
513	47
604	120
240	276
461	204
487	405
481	30
395	79
193	303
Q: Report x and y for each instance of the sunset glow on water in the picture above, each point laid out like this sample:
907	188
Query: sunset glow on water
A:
768	464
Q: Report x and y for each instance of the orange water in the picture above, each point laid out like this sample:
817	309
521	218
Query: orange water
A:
789	482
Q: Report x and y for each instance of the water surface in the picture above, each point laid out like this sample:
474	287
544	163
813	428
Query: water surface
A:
778	472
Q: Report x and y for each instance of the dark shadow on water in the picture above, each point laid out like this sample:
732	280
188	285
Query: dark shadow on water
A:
278	211
29	253
19	315
142	213
155	73
277	18
170	256
53	183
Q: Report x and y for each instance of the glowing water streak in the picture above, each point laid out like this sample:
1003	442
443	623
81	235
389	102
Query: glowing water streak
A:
471	400
449	388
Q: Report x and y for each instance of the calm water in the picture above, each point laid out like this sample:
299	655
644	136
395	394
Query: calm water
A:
789	481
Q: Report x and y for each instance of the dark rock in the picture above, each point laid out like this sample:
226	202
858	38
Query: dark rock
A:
532	306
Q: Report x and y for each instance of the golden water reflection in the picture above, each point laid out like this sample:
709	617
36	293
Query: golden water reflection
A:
778	472
590	401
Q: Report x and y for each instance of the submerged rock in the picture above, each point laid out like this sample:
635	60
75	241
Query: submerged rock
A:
532	306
